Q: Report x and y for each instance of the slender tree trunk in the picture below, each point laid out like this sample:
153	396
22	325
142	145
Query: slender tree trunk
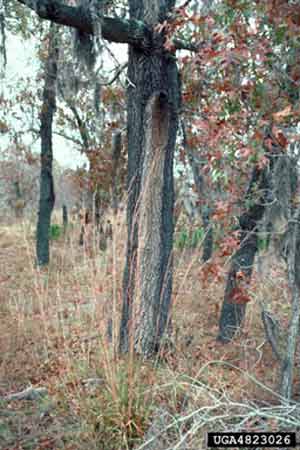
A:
65	217
153	98
205	209
116	153
20	202
47	196
208	243
235	298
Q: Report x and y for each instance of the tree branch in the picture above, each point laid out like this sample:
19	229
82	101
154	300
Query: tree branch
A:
36	131
123	31
133	32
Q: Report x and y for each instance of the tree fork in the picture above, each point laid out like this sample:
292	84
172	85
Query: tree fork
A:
133	32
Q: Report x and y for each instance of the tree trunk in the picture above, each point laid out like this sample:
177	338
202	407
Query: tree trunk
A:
293	266
116	154
205	209
294	282
153	80
235	298
20	202
153	98
47	196
65	217
208	242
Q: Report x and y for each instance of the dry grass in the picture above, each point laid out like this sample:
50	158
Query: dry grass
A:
54	334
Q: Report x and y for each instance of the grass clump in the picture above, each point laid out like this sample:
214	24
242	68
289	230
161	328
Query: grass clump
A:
187	239
55	231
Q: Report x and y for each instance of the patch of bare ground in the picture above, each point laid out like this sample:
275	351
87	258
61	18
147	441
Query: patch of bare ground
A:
53	334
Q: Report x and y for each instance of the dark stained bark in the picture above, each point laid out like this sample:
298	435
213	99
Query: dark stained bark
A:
19	203
234	304
208	242
47	197
97	208
65	217
154	78
116	153
81	236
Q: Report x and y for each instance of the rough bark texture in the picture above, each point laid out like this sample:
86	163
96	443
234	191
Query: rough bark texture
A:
234	305
149	284
47	196
293	263
153	81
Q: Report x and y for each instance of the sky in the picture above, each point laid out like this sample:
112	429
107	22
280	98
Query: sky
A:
21	62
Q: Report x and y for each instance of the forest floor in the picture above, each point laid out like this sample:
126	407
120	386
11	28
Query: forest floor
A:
53	334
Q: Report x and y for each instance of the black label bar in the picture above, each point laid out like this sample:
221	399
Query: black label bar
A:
268	440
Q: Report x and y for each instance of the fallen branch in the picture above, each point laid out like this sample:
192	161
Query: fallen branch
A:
29	393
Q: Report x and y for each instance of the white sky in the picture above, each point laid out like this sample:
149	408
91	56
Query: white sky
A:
21	62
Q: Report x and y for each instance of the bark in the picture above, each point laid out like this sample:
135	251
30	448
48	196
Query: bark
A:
133	32
20	201
47	197
116	153
97	208
293	262
234	303
208	242
65	217
152	94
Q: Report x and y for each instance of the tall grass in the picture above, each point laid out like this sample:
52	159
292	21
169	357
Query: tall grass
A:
54	334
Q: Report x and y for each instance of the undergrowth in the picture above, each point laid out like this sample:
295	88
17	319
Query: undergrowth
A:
54	335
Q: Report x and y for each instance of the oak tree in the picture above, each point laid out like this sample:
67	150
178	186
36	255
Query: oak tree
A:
153	98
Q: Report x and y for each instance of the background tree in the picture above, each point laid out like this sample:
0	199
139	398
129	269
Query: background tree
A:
47	197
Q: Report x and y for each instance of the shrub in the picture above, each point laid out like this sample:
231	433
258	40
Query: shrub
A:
197	237
55	231
185	239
